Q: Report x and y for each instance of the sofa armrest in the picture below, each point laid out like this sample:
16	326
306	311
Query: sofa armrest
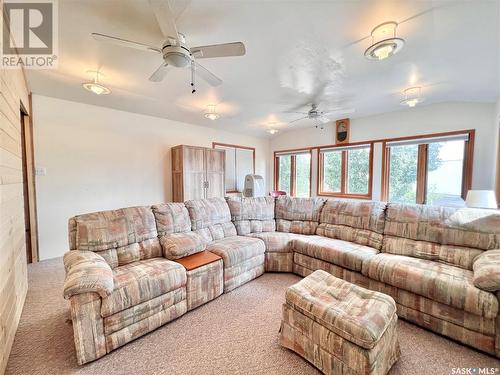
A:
87	272
487	270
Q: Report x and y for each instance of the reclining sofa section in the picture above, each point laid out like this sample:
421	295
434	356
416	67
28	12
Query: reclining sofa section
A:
441	265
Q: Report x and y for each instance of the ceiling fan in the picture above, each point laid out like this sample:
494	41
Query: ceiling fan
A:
321	117
175	50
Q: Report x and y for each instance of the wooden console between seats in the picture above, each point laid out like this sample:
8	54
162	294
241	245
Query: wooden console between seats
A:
197	260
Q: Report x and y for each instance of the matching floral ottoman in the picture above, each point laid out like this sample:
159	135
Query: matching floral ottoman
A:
339	327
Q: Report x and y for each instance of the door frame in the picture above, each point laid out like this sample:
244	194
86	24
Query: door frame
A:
29	184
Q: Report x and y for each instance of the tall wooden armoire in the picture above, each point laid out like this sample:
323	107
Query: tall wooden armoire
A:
197	172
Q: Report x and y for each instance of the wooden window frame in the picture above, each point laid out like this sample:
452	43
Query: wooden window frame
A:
422	163
344	177
228	145
293	173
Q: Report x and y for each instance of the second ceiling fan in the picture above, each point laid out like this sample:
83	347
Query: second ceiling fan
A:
320	117
175	51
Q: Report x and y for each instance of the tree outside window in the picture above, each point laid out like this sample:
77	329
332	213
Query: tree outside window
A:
428	171
345	171
293	171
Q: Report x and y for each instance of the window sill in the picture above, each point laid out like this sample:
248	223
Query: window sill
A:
340	195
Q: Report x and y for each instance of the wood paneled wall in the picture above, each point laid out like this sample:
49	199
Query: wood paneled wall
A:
13	268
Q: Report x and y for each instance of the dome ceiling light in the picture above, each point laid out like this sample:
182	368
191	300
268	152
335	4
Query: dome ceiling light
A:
384	42
412	96
211	114
94	86
272	131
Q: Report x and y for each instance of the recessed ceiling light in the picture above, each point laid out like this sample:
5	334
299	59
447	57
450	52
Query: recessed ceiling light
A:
272	131
412	96
384	42
94	86
212	114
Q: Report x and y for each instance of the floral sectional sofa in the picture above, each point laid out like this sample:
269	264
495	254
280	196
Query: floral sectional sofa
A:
441	265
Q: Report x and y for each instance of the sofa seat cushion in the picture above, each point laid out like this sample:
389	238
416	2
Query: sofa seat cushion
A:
443	283
341	253
278	242
142	281
237	249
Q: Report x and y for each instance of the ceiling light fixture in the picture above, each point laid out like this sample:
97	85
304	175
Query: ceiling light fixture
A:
212	114
272	131
384	42
94	86
412	96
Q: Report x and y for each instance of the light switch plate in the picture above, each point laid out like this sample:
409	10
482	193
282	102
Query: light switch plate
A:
40	171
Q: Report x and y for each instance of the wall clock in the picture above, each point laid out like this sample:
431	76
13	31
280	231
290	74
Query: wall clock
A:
342	131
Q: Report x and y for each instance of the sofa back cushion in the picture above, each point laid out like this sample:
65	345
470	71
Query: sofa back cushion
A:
171	218
174	229
120	236
354	221
448	235
211	218
252	215
298	215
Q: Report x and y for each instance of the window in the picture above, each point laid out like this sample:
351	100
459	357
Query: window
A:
346	171
240	161
434	170
403	174
293	172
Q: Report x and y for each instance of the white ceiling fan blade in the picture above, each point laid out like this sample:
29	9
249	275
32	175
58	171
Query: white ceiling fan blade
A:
159	73
124	42
302	118
207	75
219	50
300	113
164	17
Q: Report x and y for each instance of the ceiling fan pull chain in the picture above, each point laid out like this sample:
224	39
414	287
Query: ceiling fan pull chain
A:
192	78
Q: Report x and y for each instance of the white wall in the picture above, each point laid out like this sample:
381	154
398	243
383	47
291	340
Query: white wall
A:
98	158
496	124
428	119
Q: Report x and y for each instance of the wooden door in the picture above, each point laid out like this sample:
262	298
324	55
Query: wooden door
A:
215	167
29	194
194	173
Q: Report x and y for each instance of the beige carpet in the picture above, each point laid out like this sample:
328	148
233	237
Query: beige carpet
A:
236	333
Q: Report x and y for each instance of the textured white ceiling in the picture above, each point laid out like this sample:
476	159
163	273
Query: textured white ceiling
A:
297	52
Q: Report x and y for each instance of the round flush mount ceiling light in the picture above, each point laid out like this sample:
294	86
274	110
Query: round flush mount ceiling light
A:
211	114
94	86
272	131
412	96
384	42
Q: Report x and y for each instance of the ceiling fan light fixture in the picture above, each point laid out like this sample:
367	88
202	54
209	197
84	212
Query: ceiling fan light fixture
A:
94	86
384	42
178	56
212	114
412	96
272	131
